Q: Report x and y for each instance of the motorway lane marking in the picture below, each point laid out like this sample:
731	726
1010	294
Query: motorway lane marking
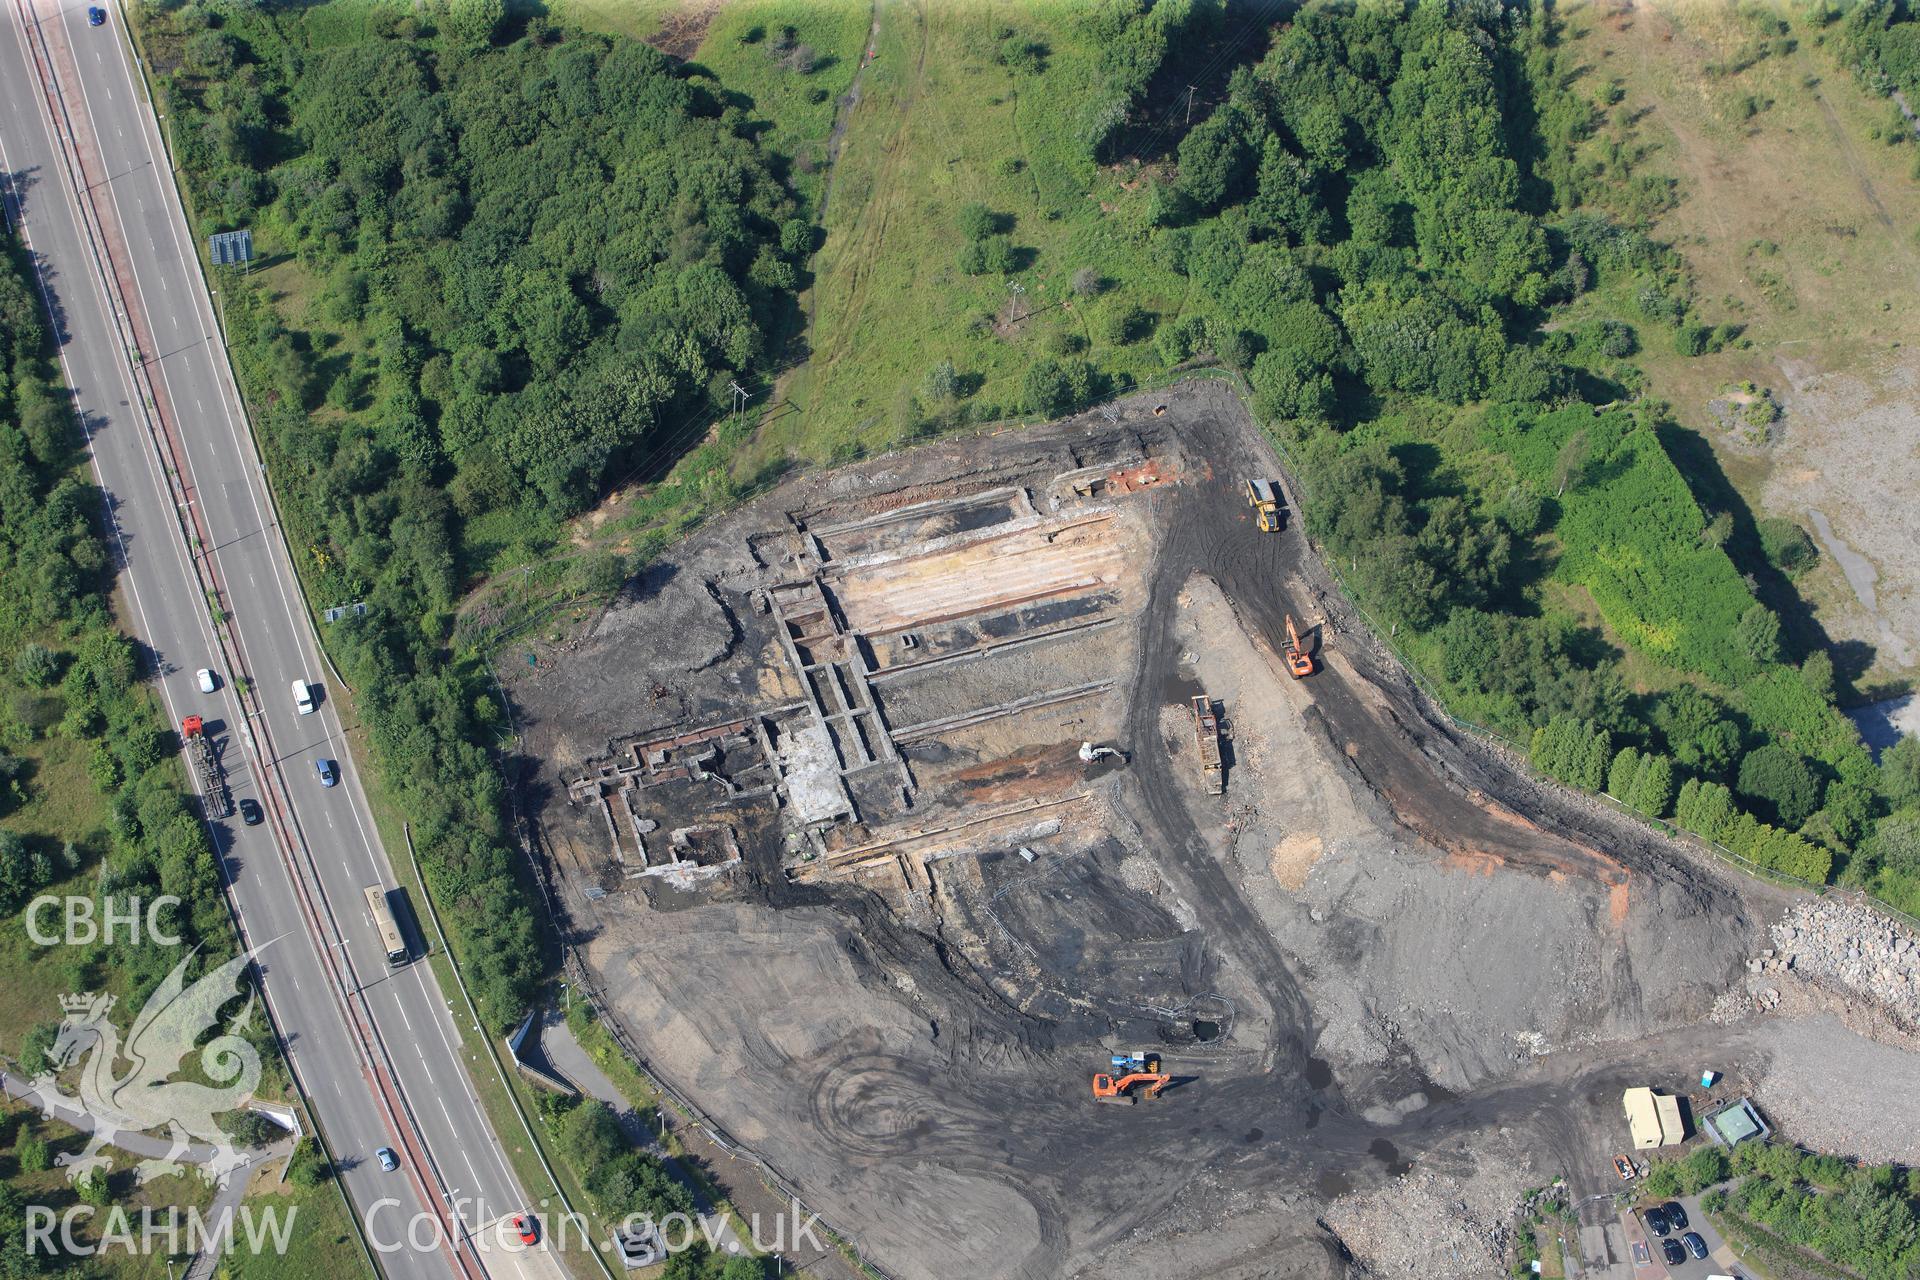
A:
203	308
305	638
469	1163
158	480
466	1083
86	430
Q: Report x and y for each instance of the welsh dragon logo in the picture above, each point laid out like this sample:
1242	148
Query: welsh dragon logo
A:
144	1098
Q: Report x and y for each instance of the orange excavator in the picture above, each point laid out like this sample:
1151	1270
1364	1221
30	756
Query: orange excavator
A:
1299	661
1143	1079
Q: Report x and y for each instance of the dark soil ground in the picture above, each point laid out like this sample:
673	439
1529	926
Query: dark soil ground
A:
1446	968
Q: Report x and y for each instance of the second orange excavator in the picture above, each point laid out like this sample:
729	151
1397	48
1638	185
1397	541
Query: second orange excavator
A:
1144	1080
1299	661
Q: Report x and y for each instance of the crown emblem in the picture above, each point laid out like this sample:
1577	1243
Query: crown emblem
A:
85	1002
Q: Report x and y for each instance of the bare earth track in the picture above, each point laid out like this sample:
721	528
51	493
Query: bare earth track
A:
873	685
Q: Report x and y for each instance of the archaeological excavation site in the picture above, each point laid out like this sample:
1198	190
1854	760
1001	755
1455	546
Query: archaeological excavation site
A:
890	808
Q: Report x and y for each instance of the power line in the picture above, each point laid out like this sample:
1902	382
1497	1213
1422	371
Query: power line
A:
1261	21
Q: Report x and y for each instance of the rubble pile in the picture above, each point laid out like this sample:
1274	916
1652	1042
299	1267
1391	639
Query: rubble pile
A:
1853	950
1452	1220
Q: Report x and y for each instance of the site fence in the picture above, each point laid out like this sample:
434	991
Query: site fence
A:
1515	752
588	989
527	614
530	614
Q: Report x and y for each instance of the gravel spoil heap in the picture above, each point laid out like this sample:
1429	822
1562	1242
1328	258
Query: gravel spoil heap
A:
1445	1220
1854	950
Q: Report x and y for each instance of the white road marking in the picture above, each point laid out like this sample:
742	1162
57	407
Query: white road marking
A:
160	485
278	554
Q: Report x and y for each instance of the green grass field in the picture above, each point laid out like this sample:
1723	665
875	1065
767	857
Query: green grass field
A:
941	125
62	805
321	1245
1794	211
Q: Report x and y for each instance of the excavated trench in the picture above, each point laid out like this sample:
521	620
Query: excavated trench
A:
919	1067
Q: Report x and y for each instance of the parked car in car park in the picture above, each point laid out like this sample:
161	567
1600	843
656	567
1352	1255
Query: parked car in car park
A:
1676	1216
1656	1219
1695	1245
1672	1252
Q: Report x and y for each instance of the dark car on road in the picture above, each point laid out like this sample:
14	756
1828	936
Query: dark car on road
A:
1676	1216
1695	1245
251	813
96	16
1657	1221
1672	1252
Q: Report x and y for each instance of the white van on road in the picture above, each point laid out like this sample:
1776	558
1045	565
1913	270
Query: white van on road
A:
303	697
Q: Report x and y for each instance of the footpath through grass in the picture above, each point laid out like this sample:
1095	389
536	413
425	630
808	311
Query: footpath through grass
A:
944	123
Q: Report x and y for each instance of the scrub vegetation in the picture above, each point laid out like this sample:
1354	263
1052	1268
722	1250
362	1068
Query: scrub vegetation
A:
501	257
1865	1219
91	804
1425	239
1421	235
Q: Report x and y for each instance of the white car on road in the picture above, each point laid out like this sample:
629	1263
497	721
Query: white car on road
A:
206	679
303	697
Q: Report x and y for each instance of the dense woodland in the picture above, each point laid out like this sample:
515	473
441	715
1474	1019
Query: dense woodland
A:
517	253
504	262
530	252
90	793
1863	1218
1382	218
71	681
